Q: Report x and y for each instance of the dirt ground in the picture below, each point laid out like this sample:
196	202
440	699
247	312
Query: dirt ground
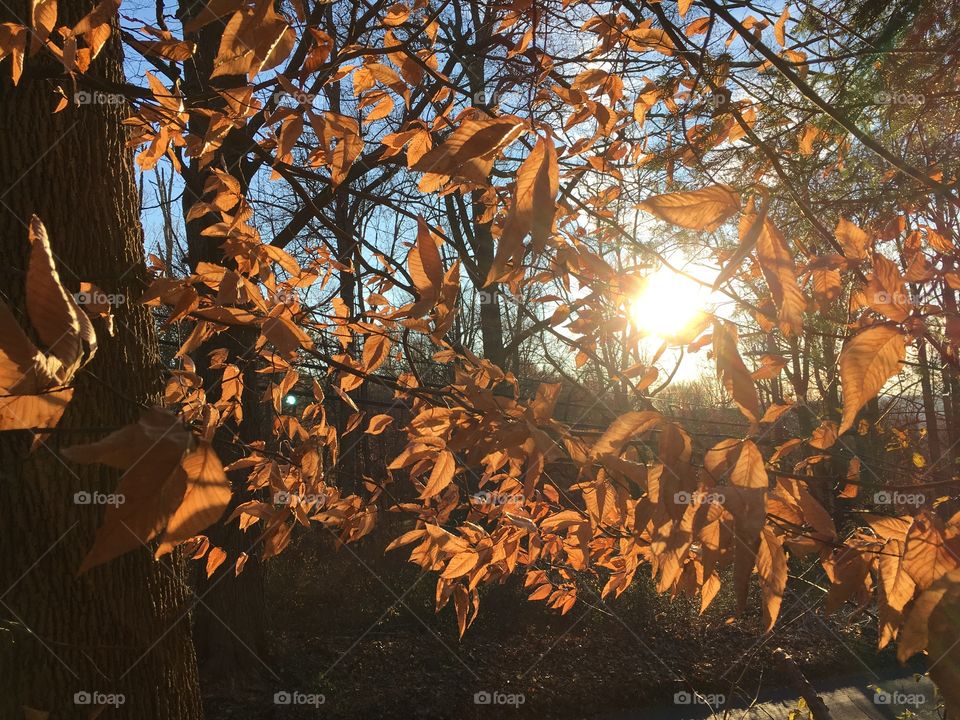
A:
354	635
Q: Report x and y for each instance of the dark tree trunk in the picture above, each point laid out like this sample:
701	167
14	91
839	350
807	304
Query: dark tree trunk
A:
121	628
491	321
230	626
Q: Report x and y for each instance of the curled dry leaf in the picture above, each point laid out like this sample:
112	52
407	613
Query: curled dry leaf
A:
54	314
32	382
379	423
426	270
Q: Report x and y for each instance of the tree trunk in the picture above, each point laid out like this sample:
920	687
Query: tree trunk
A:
951	386
929	405
491	319
230	631
121	629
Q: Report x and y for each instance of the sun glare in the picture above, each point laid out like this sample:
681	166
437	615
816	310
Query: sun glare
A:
668	304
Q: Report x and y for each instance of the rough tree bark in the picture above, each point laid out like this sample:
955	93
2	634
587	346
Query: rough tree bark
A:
122	628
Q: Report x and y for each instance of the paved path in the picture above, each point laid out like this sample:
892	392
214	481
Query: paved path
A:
847	698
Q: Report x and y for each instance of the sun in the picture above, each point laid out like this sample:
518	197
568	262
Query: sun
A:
668	304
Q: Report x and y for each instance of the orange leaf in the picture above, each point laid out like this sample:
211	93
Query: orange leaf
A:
379	423
778	267
749	471
886	292
622	430
210	11
215	559
867	361
702	209
23	368
44	18
397	14
926	556
425	268
376	349
441	475
24	412
150	489
53	312
461	564
852	239
733	373
287	337
532	208
470	150
772	569
206	498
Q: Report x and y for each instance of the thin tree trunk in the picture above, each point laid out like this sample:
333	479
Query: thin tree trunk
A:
121	629
951	386
491	319
929	405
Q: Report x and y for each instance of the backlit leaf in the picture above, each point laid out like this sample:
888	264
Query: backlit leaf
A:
702	209
867	361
